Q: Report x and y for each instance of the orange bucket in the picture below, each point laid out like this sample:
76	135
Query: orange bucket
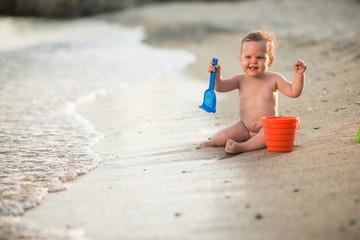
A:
280	133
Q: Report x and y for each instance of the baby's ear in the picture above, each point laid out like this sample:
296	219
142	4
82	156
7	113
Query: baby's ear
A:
271	61
240	58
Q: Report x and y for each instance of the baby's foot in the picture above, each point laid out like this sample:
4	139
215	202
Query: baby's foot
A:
204	144
233	147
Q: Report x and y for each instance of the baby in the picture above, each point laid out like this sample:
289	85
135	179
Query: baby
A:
258	96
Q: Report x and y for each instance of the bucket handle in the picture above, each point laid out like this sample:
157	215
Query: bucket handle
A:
298	124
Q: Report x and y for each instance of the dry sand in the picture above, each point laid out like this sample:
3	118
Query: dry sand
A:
154	184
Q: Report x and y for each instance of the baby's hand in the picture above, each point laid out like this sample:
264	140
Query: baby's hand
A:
212	68
300	67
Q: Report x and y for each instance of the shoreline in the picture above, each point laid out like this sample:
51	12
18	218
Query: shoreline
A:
154	184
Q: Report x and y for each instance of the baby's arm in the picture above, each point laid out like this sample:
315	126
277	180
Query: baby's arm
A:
295	89
224	85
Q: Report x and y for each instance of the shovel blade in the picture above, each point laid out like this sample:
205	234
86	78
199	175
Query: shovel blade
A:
209	103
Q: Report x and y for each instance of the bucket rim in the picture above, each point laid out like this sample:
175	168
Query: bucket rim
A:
280	119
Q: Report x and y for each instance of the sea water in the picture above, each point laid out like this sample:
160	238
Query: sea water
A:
46	68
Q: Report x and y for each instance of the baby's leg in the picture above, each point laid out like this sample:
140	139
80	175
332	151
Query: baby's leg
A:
255	143
236	131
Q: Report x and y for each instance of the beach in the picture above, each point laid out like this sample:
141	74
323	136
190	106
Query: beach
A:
153	182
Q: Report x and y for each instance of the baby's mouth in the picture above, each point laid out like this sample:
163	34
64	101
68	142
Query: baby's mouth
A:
253	68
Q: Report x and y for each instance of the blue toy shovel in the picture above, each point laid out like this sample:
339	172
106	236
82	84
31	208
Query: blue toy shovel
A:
209	103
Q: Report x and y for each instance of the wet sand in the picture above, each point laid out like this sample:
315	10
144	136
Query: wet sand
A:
155	184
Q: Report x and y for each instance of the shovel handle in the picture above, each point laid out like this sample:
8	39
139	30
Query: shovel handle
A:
213	75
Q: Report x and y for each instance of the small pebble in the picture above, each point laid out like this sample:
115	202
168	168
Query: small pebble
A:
258	217
352	222
296	190
316	128
342	229
329	73
177	214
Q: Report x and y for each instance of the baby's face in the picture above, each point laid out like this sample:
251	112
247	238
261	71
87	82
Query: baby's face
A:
254	58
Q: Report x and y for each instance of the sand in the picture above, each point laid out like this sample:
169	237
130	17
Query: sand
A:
155	184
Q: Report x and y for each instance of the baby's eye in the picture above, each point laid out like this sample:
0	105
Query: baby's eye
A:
260	57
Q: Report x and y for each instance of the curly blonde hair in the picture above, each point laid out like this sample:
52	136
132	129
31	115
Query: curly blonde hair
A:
262	35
